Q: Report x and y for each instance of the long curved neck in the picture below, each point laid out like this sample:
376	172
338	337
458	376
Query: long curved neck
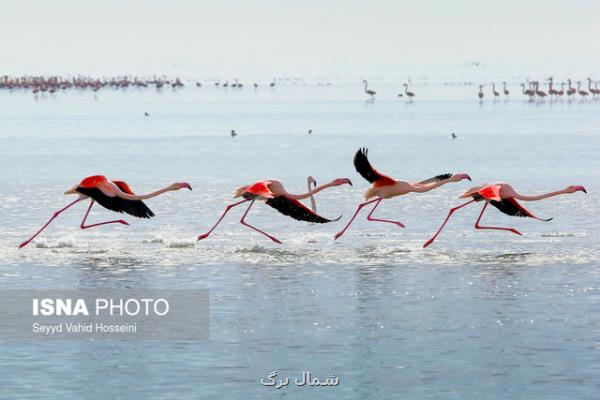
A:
128	196
365	83
310	193
313	203
540	196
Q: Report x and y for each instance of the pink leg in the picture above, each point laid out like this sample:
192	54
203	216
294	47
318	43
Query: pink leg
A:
400	224
229	207
477	226
243	222
452	210
360	206
56	214
84	226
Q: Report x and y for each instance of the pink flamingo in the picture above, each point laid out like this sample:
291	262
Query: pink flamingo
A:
275	195
113	195
386	187
504	198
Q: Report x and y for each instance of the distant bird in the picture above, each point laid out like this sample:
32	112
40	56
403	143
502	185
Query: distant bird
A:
406	92
540	93
198	84
454	136
571	90
371	93
255	84
504	198
226	84
506	92
113	195
310	131
386	187
527	92
496	94
146	114
233	134
274	194
580	91
272	84
480	94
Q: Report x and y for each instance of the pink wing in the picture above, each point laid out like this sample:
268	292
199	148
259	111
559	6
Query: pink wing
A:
260	189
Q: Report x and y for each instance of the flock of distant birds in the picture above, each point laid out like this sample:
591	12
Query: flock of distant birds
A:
52	84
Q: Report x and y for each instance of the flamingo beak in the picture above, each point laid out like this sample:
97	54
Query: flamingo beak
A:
349	181
71	191
581	188
185	185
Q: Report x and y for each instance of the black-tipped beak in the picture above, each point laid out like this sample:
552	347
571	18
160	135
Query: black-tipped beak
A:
583	190
350	182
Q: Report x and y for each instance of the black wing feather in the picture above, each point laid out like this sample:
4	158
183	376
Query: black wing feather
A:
511	207
137	208
293	208
436	178
363	166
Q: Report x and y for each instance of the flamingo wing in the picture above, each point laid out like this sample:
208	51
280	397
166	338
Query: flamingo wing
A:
510	206
137	208
436	178
295	209
364	168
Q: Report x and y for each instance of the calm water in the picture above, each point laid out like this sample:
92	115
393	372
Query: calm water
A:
484	315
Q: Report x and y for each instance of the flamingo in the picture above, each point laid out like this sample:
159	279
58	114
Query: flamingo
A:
571	91
406	92
527	92
551	90
581	92
480	94
504	198
540	93
506	92
561	92
272	84
113	195
275	195
496	94
371	93
386	187
590	89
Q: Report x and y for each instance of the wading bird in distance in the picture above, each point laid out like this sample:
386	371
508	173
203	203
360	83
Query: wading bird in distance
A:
371	93
274	194
113	195
504	198
386	187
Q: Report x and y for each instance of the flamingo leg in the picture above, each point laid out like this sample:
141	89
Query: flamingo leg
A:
243	222
84	226
360	206
229	207
400	224
452	210
477	226
56	214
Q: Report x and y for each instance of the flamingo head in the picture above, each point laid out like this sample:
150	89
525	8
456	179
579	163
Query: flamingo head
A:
573	189
180	185
312	181
460	177
72	190
341	181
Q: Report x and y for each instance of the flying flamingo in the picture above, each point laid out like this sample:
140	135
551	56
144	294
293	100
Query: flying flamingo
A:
480	94
113	195
371	93
386	187
504	198
406	92
275	195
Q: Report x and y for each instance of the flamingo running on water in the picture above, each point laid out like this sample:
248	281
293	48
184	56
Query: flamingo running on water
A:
113	195
504	198
275	195
386	187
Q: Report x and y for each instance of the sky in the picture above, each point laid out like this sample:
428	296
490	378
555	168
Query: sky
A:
300	36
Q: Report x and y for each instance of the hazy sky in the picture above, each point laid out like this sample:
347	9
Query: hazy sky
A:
298	35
